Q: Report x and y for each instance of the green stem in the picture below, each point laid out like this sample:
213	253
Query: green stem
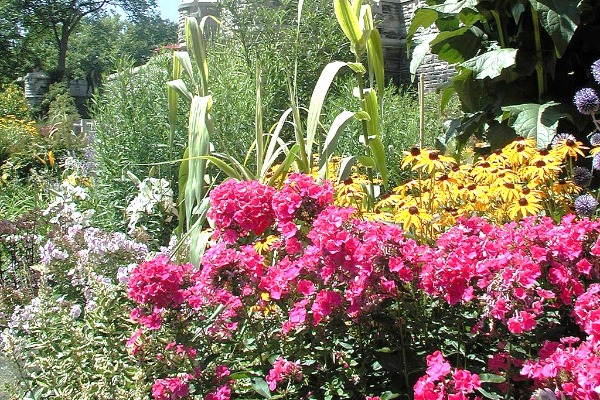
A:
365	130
539	64
500	27
405	362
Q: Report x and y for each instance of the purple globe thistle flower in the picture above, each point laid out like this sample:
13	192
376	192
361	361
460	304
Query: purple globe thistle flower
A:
585	205
596	162
586	100
560	137
581	176
595	139
596	70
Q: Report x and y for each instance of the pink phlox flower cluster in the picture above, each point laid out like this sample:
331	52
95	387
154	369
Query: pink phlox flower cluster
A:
570	371
237	270
172	388
451	267
223	392
441	382
158	283
300	200
283	370
238	208
587	311
515	270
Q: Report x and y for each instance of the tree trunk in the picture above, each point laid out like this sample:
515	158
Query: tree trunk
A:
62	52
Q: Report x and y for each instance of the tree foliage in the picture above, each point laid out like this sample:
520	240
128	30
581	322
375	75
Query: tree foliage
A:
62	17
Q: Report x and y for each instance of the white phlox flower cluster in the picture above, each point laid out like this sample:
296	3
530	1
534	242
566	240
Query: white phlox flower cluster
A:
155	195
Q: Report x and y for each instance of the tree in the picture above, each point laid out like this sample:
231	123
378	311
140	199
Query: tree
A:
62	17
20	51
100	41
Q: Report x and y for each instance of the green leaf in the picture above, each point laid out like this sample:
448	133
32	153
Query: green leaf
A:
348	21
455	6
375	57
182	181
284	167
359	68
335	131
198	237
175	88
223	166
488	395
491	63
447	94
347	163
316	102
536	121
196	42
379	156
370	106
273	150
183	59
560	19
261	387
199	145
389	396
458	45
424	17
492	378
419	54
470	16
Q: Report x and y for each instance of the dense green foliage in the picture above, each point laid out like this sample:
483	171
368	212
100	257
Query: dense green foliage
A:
518	63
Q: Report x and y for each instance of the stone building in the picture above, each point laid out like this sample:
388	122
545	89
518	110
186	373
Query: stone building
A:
395	17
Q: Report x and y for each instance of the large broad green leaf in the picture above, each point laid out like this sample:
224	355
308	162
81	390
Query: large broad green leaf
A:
419	53
560	19
455	6
491	63
260	386
536	121
316	102
423	18
458	45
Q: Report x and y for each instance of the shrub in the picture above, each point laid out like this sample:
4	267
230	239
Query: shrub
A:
131	134
13	103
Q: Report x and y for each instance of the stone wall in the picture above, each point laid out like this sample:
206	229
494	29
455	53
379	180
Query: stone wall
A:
394	17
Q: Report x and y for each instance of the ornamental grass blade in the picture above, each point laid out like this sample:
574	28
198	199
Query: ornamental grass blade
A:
348	162
375	58
175	89
198	237
183	59
199	146
284	167
196	42
348	21
378	152
182	181
335	132
272	141
316	102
